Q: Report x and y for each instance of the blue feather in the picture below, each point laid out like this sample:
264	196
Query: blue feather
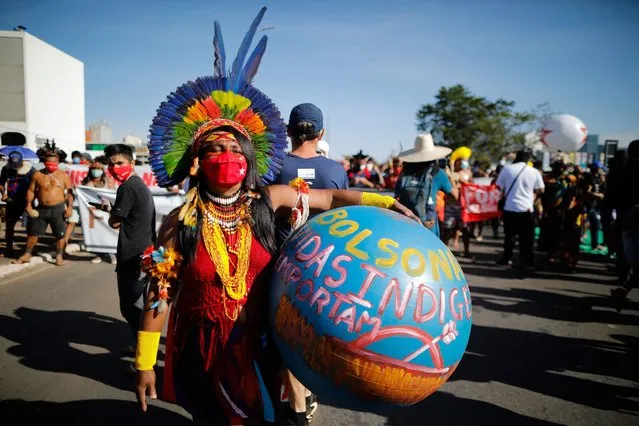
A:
223	84
174	102
188	91
253	63
238	63
267	406
219	65
200	89
206	84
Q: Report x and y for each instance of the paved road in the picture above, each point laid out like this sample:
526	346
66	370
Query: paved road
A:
542	351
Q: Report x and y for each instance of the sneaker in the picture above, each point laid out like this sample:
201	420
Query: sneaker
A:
96	260
311	407
112	259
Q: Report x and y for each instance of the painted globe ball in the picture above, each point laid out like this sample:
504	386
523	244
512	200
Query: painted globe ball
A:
369	309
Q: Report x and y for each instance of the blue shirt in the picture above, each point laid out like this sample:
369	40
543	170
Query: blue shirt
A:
320	172
441	182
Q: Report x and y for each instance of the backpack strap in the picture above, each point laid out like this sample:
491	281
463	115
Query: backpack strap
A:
427	179
513	184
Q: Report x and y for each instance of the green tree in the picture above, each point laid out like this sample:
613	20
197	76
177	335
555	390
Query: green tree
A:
459	118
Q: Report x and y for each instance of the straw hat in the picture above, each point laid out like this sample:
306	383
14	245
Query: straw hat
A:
424	150
323	148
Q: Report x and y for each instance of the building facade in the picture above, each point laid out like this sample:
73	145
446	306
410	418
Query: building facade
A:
600	148
603	147
101	132
41	94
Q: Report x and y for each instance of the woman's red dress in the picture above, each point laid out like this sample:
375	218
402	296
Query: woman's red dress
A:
217	367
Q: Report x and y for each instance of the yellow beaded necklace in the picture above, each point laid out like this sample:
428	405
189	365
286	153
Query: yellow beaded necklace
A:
215	242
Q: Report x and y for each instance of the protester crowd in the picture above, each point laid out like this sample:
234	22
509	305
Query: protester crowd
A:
574	206
577	203
564	203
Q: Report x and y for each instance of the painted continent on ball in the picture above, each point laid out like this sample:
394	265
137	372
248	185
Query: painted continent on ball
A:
369	309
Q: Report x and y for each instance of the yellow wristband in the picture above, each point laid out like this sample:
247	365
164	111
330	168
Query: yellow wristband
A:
376	200
146	352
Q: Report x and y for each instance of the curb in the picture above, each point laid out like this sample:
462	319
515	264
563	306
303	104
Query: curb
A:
10	269
6	270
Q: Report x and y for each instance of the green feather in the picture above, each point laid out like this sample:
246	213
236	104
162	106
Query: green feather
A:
261	145
179	156
230	103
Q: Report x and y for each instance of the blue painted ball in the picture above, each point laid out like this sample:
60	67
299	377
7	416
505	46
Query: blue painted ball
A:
369	309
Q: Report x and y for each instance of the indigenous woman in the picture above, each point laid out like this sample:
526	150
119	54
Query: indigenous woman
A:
213	255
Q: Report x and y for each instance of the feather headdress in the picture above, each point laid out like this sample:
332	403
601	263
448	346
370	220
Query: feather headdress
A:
226	98
48	148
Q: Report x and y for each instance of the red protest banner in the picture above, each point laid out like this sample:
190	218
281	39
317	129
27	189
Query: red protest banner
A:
479	202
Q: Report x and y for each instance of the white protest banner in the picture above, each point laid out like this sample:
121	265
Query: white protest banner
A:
99	237
78	172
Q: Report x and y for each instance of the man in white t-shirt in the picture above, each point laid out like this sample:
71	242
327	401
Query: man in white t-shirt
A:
520	184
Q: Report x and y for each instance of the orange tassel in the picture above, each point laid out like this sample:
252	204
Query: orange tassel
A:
195	167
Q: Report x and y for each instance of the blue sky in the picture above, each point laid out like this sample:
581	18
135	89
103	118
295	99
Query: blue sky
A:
369	65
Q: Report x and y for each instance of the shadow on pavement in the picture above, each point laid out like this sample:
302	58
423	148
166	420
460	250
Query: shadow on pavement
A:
442	409
554	306
591	269
483	267
75	342
94	412
561	367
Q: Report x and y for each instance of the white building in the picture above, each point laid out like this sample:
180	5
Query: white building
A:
41	94
101	132
620	140
132	141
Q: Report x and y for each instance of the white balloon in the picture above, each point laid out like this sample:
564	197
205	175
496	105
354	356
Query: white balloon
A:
564	132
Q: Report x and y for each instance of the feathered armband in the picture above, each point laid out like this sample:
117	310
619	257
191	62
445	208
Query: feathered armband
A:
299	213
163	265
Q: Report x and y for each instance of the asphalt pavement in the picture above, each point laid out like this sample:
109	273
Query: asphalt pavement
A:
545	350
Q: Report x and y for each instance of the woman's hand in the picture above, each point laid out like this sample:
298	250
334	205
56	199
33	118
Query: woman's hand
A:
145	385
400	208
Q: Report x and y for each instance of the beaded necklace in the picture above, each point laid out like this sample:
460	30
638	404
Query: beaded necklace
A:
226	229
226	211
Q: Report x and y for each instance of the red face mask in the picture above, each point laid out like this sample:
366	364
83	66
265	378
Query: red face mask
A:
224	170
121	173
51	166
397	170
